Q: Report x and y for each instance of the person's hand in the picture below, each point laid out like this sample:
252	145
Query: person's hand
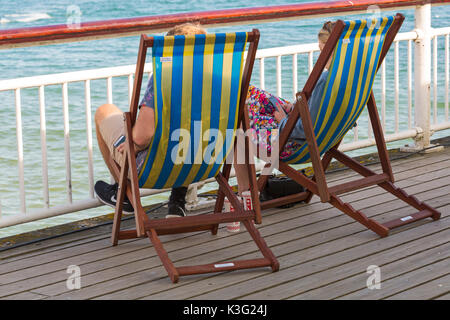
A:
288	107
121	148
278	116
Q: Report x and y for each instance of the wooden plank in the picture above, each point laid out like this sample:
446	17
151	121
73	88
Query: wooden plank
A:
47	268
291	269
432	162
338	281
444	297
96	261
302	284
98	265
426	291
49	245
64	275
277	220
281	239
53	251
37	265
64	240
401	283
25	296
307	244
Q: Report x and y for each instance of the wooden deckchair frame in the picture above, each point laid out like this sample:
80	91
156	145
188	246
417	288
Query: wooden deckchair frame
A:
317	185
152	228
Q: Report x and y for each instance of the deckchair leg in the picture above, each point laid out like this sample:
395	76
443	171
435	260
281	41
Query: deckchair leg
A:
378	228
319	171
379	137
116	224
221	195
326	160
262	245
119	203
218	208
155	228
167	263
425	210
411	200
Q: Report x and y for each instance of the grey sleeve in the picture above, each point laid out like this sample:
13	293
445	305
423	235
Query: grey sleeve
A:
298	133
147	100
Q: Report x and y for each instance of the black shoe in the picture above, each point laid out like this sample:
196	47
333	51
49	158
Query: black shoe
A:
176	211
107	194
177	203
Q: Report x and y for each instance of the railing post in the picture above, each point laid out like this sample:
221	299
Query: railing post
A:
422	74
422	80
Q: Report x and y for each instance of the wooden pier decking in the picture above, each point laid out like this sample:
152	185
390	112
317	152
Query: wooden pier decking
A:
323	254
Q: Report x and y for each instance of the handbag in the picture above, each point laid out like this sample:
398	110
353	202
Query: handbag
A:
280	186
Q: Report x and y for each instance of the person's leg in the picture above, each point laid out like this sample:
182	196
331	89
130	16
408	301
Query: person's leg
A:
109	126
260	112
241	175
177	202
102	113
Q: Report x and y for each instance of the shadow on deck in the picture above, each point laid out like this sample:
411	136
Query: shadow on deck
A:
323	254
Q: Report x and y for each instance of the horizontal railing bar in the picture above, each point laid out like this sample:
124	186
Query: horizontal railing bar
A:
440	126
371	142
60	210
74	76
287	50
80	205
134	26
410	35
103	73
440	31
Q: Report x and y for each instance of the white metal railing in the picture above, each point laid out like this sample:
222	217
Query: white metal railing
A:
420	130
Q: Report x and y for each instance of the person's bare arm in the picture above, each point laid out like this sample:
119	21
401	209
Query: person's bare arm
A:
280	113
143	129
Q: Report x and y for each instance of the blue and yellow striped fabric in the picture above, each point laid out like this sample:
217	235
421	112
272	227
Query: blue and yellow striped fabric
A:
349	83
197	85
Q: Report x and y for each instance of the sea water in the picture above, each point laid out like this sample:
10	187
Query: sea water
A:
50	59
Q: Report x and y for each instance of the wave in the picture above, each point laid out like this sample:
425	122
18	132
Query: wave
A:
24	17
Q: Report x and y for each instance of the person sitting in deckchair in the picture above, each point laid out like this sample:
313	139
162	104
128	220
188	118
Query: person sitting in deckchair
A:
111	137
268	112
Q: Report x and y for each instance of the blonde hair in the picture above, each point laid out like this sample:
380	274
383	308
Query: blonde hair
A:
325	32
186	28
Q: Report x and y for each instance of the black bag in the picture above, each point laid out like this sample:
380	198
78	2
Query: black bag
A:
277	187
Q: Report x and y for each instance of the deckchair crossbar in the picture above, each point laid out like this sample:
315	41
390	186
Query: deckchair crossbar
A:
198	220
224	266
359	183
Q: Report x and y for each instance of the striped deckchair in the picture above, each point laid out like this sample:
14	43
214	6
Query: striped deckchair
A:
200	85
357	49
